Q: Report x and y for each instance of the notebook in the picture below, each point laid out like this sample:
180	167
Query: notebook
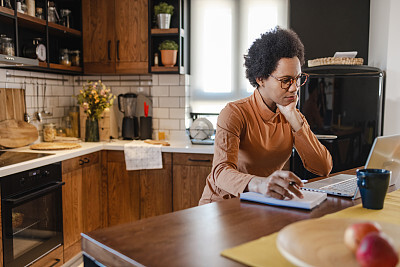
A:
384	154
310	200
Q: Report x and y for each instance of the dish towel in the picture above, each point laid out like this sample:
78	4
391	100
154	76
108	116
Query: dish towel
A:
139	155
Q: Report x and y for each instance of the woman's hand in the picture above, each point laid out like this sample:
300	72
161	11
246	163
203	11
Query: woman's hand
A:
291	114
277	185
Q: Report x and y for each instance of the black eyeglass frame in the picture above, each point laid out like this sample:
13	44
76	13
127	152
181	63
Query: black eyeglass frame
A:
296	80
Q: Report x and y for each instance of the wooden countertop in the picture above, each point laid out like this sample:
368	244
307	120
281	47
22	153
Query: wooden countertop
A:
196	236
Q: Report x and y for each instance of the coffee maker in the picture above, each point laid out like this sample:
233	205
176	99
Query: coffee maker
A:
130	126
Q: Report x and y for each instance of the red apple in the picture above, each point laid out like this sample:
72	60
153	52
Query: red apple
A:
355	233
376	250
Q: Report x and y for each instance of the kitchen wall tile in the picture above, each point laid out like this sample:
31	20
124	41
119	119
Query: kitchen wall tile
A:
144	83
168	79
51	82
29	89
141	90
68	91
155	79
155	123
160	91
177	113
155	102
169	102
130	83
65	101
161	113
182	101
169	124
52	101
183	126
177	90
130	77
57	90
58	112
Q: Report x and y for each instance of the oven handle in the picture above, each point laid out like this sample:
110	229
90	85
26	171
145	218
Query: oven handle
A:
16	201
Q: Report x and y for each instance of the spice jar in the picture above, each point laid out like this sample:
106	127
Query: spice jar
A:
49	132
7	46
75	58
64	57
39	13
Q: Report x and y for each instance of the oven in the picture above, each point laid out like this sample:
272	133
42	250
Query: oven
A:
31	214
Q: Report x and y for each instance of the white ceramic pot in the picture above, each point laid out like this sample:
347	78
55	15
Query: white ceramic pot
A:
163	21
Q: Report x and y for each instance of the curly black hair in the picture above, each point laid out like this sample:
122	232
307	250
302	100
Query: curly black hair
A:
265	52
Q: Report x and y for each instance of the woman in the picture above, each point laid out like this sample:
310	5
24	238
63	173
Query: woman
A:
255	135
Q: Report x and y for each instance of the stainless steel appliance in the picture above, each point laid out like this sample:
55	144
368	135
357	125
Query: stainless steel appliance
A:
127	105
31	214
345	102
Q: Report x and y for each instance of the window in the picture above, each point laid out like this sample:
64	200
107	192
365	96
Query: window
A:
221	33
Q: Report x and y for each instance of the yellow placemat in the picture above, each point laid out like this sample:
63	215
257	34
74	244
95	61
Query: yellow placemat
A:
263	251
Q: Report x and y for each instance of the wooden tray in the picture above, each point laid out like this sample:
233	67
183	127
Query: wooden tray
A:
320	242
54	146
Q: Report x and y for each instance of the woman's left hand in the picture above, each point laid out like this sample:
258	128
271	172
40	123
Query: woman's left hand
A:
291	114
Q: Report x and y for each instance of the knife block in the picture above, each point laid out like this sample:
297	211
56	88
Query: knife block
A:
107	124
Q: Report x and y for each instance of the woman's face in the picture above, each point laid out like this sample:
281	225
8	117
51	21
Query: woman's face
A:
270	88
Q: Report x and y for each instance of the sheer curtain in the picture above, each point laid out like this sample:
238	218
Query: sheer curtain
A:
221	33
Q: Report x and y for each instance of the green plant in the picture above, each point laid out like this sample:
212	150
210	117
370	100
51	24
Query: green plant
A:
168	45
163	8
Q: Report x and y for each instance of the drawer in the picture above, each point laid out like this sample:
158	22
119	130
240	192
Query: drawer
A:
192	159
78	162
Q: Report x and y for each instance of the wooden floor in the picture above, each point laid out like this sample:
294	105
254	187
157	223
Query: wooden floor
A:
76	261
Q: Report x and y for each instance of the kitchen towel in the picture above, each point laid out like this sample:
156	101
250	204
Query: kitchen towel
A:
140	155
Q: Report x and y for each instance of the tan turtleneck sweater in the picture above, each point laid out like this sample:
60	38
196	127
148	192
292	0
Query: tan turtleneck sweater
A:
251	140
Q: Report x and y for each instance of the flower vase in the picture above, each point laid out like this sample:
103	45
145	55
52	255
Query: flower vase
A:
92	130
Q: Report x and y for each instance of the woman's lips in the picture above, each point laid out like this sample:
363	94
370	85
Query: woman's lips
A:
291	98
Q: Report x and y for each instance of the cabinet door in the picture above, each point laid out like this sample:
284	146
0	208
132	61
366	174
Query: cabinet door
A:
190	172
72	202
91	192
131	28
98	36
123	190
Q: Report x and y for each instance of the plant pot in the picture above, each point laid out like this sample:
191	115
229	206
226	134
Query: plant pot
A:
92	130
168	57
163	21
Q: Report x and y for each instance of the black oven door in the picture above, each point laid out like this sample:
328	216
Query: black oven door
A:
32	224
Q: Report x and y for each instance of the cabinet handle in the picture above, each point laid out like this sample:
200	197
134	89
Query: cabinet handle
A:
109	49
81	162
86	160
118	49
200	160
54	264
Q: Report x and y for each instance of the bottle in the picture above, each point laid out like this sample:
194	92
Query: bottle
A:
68	126
39	13
49	132
75	58
64	57
30	4
155	59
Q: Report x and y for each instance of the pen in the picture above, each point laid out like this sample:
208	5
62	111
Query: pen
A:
294	183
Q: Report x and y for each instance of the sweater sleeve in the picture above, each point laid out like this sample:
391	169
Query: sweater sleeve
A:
315	157
225	173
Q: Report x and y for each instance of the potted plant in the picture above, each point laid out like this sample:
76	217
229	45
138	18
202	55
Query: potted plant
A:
163	12
169	52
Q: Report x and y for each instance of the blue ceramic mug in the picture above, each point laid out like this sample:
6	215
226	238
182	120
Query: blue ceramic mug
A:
373	185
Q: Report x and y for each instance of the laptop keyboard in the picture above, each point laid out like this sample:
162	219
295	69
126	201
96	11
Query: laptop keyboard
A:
347	187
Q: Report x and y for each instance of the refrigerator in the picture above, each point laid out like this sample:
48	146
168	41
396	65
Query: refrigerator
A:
344	106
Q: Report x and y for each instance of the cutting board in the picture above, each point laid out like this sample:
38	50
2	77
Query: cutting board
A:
156	142
17	133
12	104
320	242
54	146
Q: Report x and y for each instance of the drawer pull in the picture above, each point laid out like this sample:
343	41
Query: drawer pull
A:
86	160
81	162
54	264
200	160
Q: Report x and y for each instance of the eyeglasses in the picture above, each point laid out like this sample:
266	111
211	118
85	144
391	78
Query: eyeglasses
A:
287	82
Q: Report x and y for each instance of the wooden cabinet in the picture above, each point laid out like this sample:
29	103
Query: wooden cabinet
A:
190	172
54	258
23	29
134	195
82	200
115	36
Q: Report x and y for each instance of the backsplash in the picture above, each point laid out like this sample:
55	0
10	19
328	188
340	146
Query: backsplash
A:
168	93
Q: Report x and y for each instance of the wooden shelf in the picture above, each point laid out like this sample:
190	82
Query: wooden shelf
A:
43	64
56	28
7	11
165	31
31	22
63	67
164	69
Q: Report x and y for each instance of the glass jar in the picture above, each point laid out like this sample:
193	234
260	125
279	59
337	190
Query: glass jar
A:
64	57
51	16
2	36
49	132
39	13
30	4
75	58
7	46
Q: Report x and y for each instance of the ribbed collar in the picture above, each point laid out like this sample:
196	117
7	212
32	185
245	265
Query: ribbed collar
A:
262	108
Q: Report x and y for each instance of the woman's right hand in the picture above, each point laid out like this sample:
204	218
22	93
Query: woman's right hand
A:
277	185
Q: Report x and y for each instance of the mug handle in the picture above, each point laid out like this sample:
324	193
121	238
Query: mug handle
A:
362	182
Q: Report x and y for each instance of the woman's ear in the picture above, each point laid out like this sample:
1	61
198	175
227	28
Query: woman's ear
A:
260	82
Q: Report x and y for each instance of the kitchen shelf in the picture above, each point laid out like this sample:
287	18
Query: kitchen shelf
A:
60	29
164	69
6	11
63	67
164	31
30	22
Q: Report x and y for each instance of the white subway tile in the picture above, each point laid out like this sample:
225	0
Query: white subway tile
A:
169	124
29	89
182	101
155	102
177	113
130	83
156	123
183	126
161	113
155	79
146	77
58	112
28	101
65	101
169	102
177	91
56	90
160	91
68	91
168	79
52	101
130	77
145	83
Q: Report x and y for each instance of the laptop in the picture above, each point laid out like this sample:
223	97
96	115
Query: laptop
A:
384	154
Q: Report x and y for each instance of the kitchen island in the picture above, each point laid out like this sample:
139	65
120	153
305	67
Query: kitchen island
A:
196	236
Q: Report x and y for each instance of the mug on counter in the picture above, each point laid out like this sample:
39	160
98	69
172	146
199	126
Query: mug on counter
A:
373	185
